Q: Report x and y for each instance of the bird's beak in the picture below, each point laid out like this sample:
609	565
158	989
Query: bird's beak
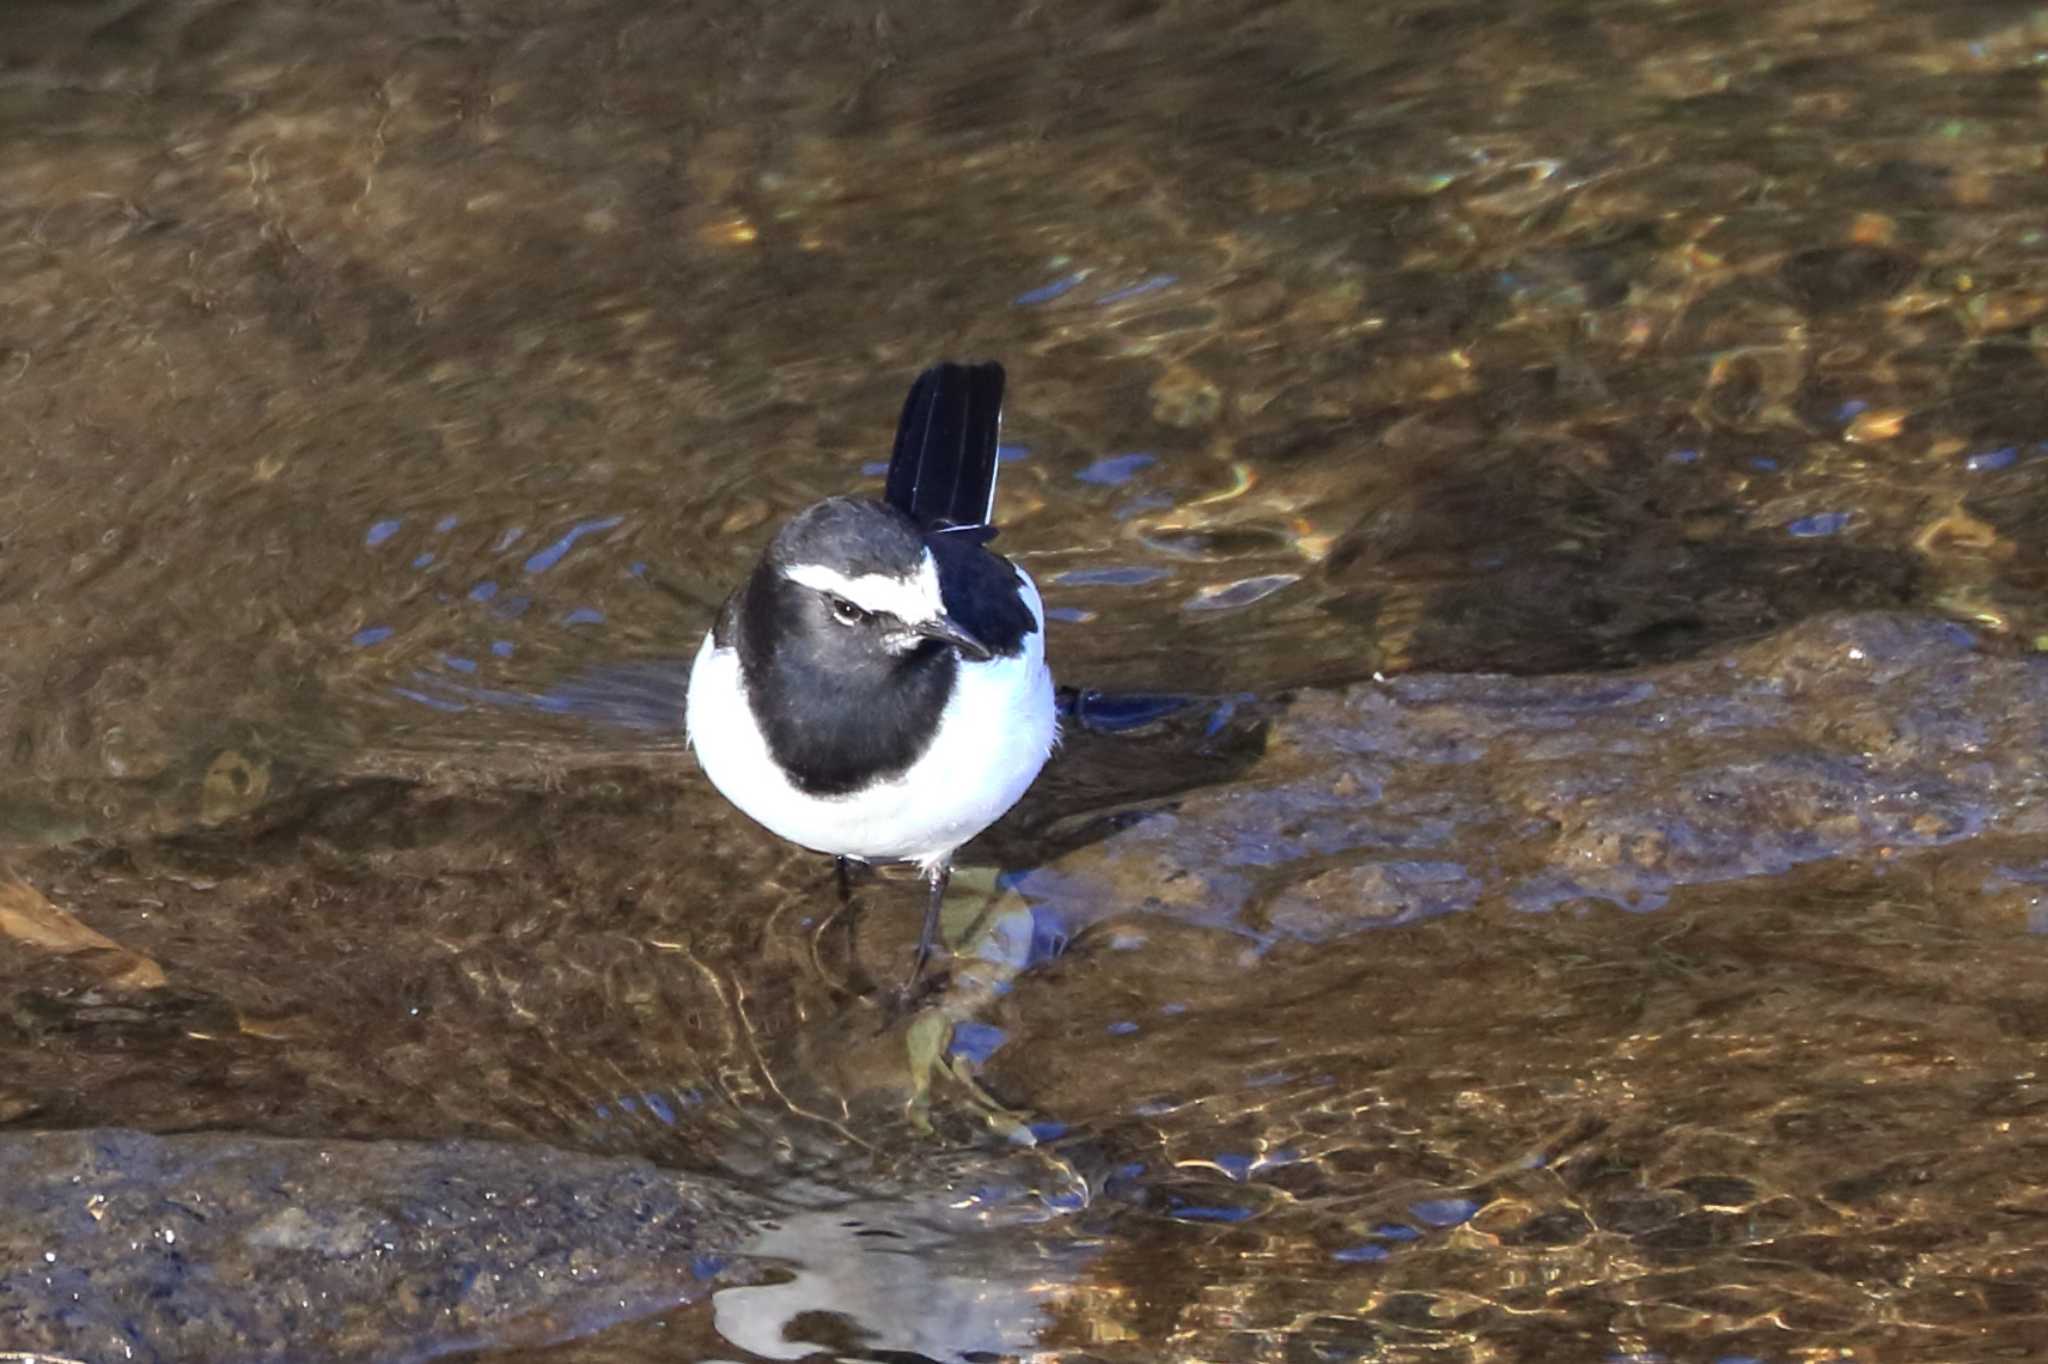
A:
947	631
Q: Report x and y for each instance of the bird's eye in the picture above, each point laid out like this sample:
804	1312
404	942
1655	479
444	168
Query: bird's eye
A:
845	612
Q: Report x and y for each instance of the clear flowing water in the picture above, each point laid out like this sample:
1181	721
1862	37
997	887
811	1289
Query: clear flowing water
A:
390	389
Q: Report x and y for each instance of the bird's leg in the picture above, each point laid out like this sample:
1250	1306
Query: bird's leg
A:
940	875
843	916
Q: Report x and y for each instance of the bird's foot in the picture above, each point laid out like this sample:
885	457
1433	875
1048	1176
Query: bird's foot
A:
912	995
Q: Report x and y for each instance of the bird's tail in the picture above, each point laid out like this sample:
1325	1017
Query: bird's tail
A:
943	471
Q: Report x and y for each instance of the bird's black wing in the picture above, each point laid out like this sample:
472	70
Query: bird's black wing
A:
943	471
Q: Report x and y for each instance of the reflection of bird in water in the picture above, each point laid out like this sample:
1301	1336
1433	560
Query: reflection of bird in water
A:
877	688
929	1278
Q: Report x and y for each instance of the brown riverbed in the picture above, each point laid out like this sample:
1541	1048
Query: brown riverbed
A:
1543	503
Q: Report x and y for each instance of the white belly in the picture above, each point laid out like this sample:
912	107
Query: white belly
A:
974	770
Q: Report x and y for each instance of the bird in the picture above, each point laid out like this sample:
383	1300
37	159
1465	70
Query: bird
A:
876	688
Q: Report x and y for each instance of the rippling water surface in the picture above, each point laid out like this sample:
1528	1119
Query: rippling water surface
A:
1542	506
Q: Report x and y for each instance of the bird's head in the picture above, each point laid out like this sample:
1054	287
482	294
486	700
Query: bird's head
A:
863	583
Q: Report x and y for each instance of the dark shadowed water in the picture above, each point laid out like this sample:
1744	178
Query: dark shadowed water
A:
1545	507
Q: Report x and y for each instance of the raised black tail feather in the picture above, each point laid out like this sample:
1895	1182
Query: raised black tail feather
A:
943	471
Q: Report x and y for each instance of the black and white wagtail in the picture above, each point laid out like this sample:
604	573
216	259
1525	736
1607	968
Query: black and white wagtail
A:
877	689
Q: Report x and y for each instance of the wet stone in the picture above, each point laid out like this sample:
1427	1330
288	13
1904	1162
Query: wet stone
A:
1348	899
1839	738
121	1245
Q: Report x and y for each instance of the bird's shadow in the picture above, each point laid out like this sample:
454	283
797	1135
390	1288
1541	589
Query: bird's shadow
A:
1122	754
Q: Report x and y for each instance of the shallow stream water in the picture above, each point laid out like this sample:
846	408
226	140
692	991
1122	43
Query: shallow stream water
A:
1543	512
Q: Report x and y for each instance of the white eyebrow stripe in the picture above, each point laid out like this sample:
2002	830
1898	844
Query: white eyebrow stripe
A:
907	599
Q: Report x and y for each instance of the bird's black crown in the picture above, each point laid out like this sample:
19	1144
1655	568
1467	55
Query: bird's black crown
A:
852	536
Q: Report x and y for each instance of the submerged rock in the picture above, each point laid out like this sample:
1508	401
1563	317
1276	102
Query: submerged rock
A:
118	1245
1848	737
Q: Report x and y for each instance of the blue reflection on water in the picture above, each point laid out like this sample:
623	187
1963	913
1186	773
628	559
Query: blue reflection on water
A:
441	703
1112	712
646	696
1221	716
543	560
1112	470
976	1041
1444	1212
1127	576
1066	1200
1146	286
1046	293
1238	1167
1145	502
1243	592
1820	523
